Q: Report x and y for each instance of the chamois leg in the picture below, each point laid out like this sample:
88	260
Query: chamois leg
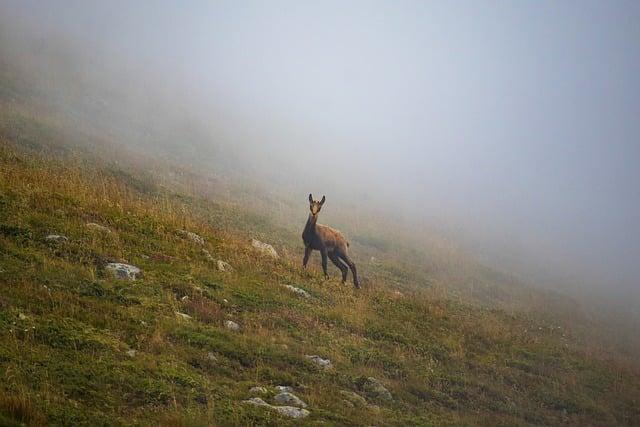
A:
343	268
323	252
307	252
352	266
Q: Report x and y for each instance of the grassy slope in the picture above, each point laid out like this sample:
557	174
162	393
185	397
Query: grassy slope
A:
66	327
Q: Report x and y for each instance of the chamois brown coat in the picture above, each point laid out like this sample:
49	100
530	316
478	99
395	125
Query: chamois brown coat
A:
330	242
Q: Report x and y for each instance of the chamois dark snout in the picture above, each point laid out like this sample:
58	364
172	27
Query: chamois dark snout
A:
330	242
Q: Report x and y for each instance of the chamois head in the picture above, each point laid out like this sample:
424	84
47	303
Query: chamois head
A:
315	206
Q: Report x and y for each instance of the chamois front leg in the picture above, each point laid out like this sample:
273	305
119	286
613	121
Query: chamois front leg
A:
323	252
307	253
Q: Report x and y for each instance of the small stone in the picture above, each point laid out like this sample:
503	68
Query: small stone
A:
323	363
289	399
183	315
191	236
123	271
265	248
258	390
22	316
224	266
284	388
131	353
56	238
212	357
298	291
230	324
98	227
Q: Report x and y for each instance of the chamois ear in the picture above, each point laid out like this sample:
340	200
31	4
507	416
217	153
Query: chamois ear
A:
322	201
310	198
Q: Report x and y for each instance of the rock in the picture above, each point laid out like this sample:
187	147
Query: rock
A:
224	266
212	357
353	399
98	227
284	388
207	255
191	236
56	238
21	316
230	324
131	353
258	390
123	271
265	248
373	388
288	411
289	399
323	363
291	411
298	291
185	316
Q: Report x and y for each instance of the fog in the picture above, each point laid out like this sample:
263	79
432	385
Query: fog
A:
513	126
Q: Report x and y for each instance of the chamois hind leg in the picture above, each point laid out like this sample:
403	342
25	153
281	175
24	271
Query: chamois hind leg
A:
338	262
352	266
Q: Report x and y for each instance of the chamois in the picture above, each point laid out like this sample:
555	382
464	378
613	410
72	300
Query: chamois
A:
330	242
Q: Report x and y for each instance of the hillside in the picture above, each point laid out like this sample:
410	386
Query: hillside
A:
80	347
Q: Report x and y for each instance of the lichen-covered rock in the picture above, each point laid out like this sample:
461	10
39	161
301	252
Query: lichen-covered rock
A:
289	399
373	388
224	266
97	227
123	271
230	324
191	236
323	363
265	248
298	291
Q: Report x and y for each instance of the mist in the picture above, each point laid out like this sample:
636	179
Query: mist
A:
513	127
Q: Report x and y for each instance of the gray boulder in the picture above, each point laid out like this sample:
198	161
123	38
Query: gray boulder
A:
230	324
265	248
123	271
289	399
323	363
287	411
373	388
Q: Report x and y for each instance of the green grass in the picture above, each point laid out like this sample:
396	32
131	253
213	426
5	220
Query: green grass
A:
66	326
455	343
